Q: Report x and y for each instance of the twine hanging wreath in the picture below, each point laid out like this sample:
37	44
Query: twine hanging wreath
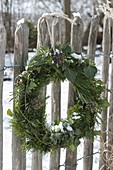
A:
29	117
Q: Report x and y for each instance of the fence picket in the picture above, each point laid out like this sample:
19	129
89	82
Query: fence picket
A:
43	38
93	37
88	145
76	45
55	97
20	55
110	118
2	55
105	76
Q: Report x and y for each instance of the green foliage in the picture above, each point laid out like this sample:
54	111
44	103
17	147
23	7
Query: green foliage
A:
90	71
9	113
32	35
29	117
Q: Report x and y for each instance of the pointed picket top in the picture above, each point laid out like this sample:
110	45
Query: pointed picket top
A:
20	56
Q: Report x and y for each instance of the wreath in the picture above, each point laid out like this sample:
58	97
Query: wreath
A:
29	117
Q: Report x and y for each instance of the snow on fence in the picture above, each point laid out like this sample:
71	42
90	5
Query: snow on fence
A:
50	31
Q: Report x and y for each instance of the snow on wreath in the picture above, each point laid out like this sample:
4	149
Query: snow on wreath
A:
29	117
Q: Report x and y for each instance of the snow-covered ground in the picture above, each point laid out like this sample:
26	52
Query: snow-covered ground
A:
7	136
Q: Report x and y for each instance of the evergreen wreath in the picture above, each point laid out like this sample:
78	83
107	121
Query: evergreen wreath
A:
29	117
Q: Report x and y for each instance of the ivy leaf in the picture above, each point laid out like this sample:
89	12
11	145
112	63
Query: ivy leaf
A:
100	82
77	142
16	105
32	85
77	131
90	71
70	74
105	103
72	147
89	135
9	113
54	140
64	66
38	69
57	122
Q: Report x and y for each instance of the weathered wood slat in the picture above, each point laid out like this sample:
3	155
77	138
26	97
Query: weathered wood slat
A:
77	34
67	11
43	35
55	96
105	75
2	56
88	145
20	56
88	155
76	45
93	37
110	118
36	161
43	38
55	115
